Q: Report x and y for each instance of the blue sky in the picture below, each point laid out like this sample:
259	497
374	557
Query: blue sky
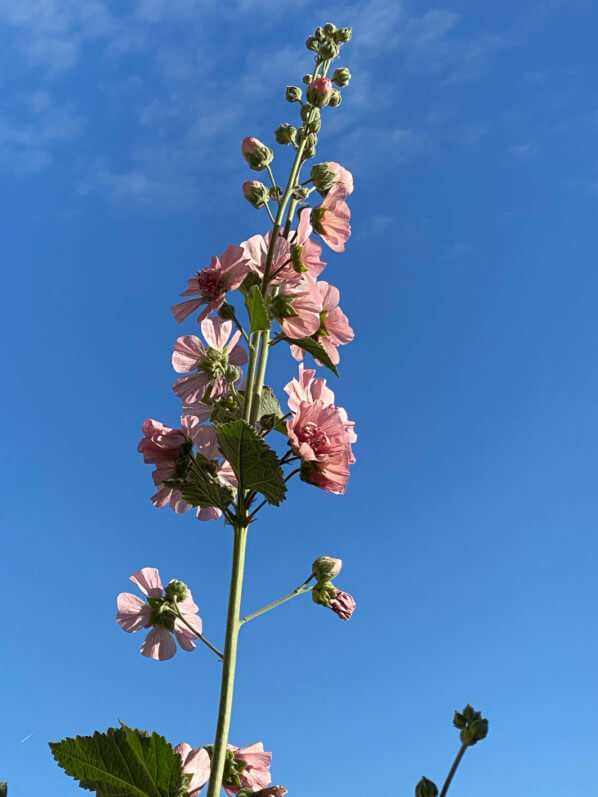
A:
469	529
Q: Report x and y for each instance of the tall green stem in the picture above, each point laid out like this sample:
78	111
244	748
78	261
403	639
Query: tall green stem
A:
453	769
229	664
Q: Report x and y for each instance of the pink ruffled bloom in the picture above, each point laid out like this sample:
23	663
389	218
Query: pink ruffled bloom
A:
134	614
342	177
331	219
225	273
256	774
334	328
306	303
307	389
209	364
319	434
342	604
255	251
196	762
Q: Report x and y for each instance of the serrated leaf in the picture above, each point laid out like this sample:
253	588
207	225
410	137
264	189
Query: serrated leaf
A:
258	315
202	489
317	351
122	763
253	461
271	410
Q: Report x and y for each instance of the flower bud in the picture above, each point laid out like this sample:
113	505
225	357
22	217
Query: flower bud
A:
257	155
319	35
285	134
306	79
341	76
329	29
176	591
323	592
301	192
342	604
322	177
293	94
328	50
335	98
472	725
255	193
232	374
319	91
312	118
343	35
226	311
326	567
311	140
426	788
311	43
275	193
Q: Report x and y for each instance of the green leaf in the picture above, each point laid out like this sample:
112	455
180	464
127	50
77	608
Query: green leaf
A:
258	315
202	488
270	410
122	763
253	461
317	351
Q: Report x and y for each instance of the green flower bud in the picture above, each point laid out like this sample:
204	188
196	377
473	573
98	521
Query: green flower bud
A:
176	591
341	76
311	43
301	192
319	35
281	307
472	725
255	193
335	98
285	134
275	193
312	118
325	568
328	50
293	94
306	79
329	29
426	788
310	147
232	374
226	312
343	35
323	592
257	154
322	178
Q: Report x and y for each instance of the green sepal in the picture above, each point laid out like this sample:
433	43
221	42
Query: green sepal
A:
255	464
258	315
122	762
317	351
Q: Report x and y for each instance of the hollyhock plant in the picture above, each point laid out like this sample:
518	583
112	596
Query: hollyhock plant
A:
196	763
209	365
307	389
225	273
167	612
331	219
334	330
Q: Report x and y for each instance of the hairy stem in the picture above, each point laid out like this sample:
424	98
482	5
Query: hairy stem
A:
299	591
229	663
452	770
200	636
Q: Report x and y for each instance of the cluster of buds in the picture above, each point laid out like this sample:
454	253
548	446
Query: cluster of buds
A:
472	725
327	41
324	569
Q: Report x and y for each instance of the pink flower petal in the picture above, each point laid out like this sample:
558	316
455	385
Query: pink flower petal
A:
148	581
133	612
159	644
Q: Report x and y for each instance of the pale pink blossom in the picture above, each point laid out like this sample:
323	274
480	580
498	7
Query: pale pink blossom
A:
255	252
318	434
342	604
334	330
307	389
135	613
256	774
210	286
305	252
207	364
196	762
297	309
331	219
342	176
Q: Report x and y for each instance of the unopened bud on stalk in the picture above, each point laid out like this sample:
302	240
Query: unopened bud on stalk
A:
313	122
323	593
257	154
319	34
301	192
322	177
293	94
311	140
311	43
328	50
325	568
335	98
307	79
343	35
176	591
319	91
426	788
329	28
275	193
472	725
285	134
341	76
232	374
255	193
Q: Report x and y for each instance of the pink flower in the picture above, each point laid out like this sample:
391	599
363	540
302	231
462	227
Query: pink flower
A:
159	612
209	364
342	176
342	604
211	284
319	91
306	253
196	763
255	251
297	308
318	433
256	772
331	219
334	328
307	389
